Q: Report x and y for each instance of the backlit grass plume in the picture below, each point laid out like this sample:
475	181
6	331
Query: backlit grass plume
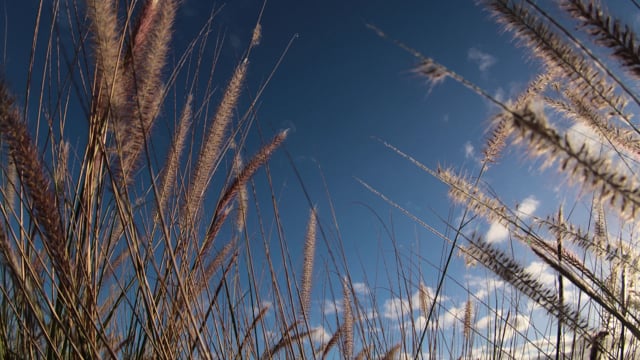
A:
577	89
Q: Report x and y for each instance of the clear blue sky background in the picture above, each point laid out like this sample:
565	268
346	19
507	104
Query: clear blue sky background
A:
339	85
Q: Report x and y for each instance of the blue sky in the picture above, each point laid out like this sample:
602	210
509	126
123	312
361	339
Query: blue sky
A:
338	86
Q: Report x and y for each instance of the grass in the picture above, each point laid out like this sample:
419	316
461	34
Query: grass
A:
109	252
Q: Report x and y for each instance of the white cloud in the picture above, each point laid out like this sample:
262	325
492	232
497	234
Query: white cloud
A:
497	233
580	134
542	272
485	286
395	308
469	150
482	59
420	322
415	298
361	288
528	206
452	315
319	335
518	323
331	307
500	95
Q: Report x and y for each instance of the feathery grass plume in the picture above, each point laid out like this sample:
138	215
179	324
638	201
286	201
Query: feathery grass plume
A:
434	72
576	161
469	262
468	318
348	321
60	171
365	353
604	295
10	184
243	195
393	352
307	265
212	146
149	53
424	297
222	209
286	340
256	162
143	29
617	138
256	36
463	192
557	55
497	141
333	341
600	232
150	50
9	257
608	32
512	272
615	253
33	177
110	94
172	163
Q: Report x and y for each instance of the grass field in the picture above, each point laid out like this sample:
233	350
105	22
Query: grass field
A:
124	245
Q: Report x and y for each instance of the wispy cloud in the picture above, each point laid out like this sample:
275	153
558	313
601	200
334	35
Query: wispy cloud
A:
515	324
485	286
469	150
361	288
320	335
541	272
395	308
528	206
482	59
330	307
